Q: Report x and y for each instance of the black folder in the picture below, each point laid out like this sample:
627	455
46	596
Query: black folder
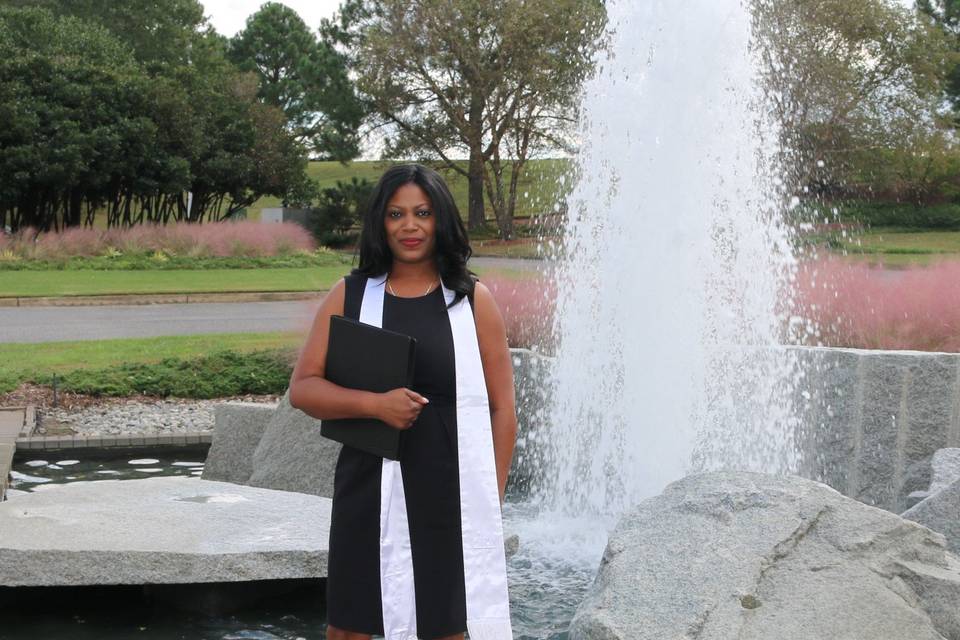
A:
362	356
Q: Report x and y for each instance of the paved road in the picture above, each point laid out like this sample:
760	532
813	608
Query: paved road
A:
45	324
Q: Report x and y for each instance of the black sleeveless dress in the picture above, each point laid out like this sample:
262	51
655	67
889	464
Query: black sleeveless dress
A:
430	482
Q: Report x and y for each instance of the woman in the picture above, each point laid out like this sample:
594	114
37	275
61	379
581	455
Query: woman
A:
416	545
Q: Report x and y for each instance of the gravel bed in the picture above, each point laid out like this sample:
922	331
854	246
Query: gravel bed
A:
95	416
161	416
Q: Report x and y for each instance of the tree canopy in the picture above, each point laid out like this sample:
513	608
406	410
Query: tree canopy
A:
89	128
304	77
492	79
857	89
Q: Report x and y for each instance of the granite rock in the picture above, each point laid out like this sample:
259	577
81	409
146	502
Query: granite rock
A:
946	469
165	529
751	556
239	426
292	455
941	512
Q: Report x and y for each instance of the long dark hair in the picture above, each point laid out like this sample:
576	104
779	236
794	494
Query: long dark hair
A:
452	245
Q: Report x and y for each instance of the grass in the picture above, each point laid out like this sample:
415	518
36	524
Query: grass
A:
536	194
889	240
522	249
154	262
87	282
37	361
92	282
894	247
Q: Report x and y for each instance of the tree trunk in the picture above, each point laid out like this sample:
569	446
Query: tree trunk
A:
475	217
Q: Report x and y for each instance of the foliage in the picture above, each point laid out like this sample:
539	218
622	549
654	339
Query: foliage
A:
496	80
338	210
237	239
543	185
849	79
99	121
527	306
303	77
221	373
946	13
160	33
942	216
854	305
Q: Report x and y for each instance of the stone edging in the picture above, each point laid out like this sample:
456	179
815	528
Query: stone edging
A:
158	298
42	443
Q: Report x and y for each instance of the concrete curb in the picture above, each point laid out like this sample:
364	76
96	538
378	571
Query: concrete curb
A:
97	447
126	441
158	298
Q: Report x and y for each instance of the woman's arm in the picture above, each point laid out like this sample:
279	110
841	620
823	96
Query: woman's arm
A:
316	396
498	375
309	390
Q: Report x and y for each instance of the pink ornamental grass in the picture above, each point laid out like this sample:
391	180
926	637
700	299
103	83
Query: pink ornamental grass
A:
527	306
856	305
211	239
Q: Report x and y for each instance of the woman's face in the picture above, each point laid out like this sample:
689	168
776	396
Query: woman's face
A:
410	224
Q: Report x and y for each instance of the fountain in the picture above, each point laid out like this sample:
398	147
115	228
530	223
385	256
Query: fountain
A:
675	257
671	361
672	328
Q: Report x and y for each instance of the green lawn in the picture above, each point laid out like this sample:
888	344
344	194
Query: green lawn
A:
898	241
538	187
89	282
18	360
897	247
536	193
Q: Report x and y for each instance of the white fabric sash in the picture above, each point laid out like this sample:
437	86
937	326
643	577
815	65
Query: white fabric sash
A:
484	562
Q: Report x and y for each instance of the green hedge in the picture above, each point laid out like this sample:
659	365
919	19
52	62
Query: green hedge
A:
219	374
941	216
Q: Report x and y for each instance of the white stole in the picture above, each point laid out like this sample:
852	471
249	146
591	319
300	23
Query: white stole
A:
484	562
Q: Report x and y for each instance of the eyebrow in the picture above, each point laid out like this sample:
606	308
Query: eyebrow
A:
422	204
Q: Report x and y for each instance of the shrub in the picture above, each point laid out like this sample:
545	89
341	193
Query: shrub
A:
939	216
225	239
338	210
527	306
856	305
219	374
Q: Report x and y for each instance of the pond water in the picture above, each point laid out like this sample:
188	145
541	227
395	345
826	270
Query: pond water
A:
548	576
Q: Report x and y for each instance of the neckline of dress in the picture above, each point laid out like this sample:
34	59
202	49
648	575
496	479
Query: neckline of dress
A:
426	295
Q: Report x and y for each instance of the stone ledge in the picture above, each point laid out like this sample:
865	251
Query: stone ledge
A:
161	530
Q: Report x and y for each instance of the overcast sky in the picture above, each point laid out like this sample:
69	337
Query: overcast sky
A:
230	16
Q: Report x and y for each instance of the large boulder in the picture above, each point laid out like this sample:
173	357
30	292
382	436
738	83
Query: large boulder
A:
292	455
756	557
941	512
946	469
238	428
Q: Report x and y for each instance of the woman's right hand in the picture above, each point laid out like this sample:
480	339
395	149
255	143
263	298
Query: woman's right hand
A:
401	407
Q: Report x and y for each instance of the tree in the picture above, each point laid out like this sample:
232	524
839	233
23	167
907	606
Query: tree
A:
946	14
88	129
160	32
845	79
304	77
488	78
71	92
